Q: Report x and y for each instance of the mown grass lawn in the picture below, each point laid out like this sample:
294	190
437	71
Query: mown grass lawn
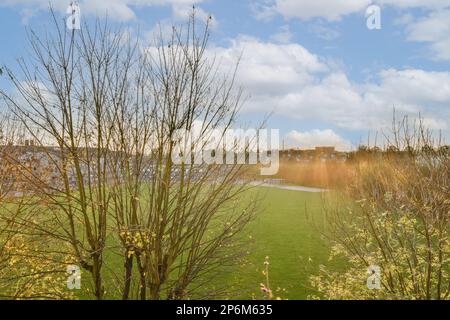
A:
285	231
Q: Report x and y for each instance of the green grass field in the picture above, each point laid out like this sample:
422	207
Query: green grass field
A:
285	232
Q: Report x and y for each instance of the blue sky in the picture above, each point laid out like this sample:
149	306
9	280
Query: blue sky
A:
325	77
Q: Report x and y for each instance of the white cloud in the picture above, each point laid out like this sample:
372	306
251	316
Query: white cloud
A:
284	35
414	87
317	138
324	32
433	29
118	10
290	81
182	11
263	9
270	69
26	14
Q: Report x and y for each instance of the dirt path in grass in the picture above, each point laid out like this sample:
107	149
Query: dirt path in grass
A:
292	188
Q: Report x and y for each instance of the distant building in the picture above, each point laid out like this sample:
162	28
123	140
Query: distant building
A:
34	168
325	150
323	154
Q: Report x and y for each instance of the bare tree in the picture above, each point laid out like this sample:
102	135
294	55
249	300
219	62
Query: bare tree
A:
177	221
62	103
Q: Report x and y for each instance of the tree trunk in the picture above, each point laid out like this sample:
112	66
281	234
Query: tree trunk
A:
128	277
97	276
142	279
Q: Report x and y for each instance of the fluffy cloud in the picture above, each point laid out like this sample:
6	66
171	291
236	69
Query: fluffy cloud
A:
284	35
317	138
290	81
433	29
414	87
323	32
268	68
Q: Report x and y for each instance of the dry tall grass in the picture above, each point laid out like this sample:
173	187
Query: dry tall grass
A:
331	174
398	219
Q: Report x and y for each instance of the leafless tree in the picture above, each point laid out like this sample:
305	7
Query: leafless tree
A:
177	222
62	101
